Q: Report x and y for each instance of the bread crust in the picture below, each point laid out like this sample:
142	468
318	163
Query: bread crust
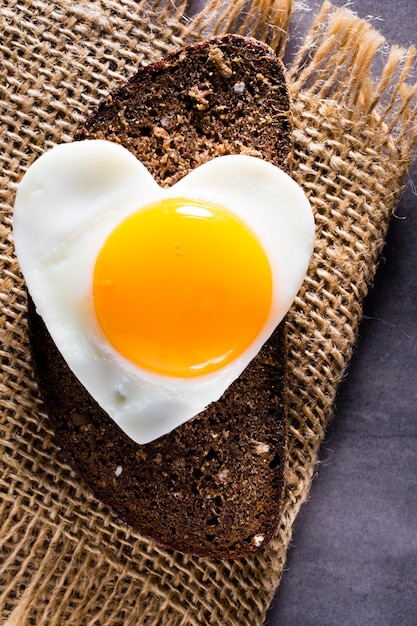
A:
213	486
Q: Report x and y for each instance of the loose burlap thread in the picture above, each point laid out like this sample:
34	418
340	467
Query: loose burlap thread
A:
64	558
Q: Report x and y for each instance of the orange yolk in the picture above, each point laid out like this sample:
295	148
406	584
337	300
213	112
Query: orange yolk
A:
182	288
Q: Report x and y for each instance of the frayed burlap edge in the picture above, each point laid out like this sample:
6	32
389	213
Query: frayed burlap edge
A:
65	559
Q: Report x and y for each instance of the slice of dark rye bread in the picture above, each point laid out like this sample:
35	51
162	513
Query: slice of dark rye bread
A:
213	486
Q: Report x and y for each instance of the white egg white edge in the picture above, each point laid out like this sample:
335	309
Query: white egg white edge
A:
67	204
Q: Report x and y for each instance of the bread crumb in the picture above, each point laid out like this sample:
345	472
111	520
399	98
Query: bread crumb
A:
168	122
258	540
250	151
263	79
216	56
199	95
161	133
239	87
224	475
261	448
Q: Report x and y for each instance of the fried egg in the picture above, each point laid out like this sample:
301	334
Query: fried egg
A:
158	298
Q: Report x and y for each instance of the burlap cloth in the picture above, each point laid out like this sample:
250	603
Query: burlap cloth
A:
65	559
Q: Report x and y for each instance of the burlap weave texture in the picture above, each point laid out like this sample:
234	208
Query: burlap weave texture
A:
65	559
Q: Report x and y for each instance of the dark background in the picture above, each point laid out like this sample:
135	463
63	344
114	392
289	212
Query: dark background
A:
353	555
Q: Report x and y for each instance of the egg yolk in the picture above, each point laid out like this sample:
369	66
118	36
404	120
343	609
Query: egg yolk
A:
182	288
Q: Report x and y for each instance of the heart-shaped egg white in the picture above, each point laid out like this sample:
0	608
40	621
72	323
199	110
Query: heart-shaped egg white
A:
68	203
